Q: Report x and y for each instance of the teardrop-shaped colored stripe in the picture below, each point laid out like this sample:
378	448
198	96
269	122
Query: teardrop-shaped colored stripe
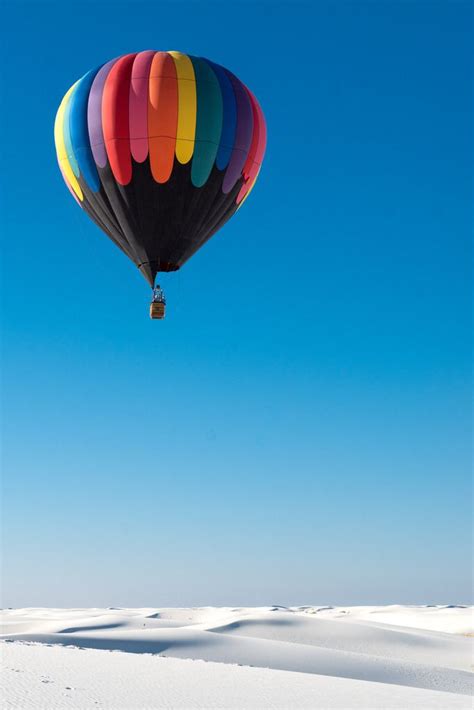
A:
257	148
229	119
94	115
209	121
255	139
115	124
67	132
139	105
162	116
243	135
79	133
61	151
187	104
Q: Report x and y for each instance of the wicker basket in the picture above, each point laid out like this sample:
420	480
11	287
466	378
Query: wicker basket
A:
157	310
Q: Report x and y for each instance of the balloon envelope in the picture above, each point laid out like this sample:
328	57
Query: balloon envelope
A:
160	149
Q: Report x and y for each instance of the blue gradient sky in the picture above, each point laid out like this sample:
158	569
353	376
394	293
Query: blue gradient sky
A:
297	430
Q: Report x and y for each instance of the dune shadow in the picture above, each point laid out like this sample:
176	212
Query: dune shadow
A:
98	627
111	644
249	623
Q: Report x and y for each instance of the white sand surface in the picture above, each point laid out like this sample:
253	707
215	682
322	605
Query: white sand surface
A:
270	657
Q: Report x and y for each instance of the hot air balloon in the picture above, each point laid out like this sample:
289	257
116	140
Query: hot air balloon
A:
160	149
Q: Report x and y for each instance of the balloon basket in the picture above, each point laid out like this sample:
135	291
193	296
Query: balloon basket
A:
157	311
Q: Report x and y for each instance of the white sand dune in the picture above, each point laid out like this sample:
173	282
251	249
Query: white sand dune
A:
352	657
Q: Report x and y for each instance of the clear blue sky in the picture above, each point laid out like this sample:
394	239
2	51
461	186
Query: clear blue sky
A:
297	430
